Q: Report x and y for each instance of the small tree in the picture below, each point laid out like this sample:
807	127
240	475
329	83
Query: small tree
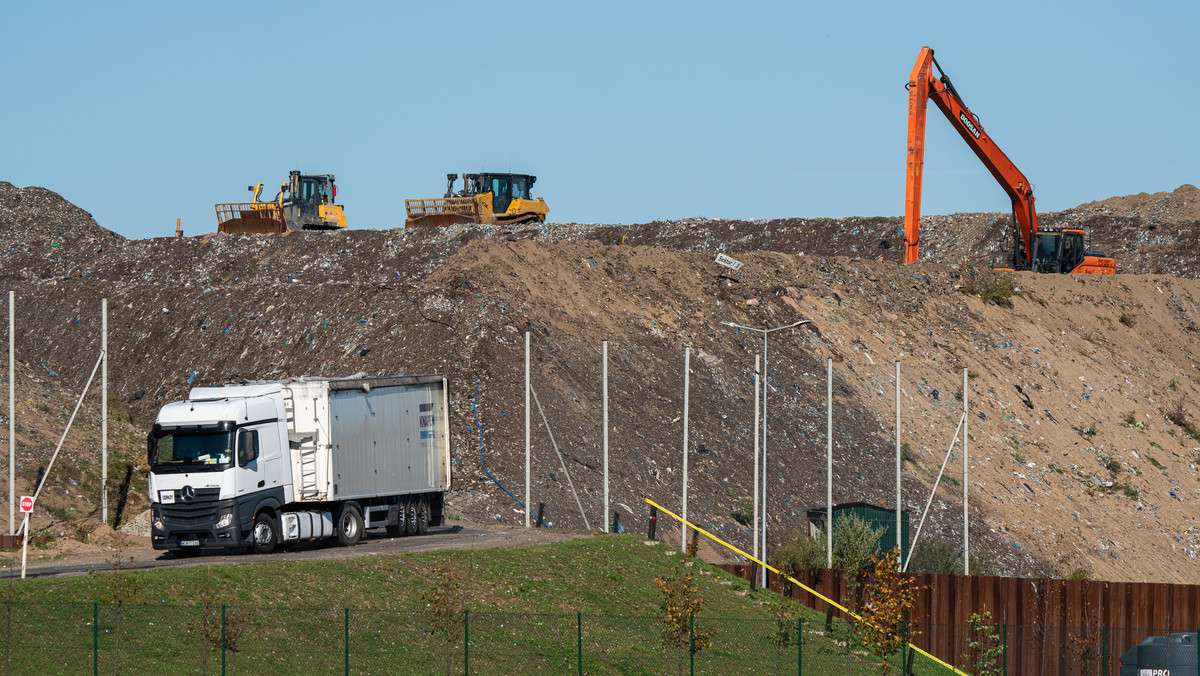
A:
121	584
888	600
443	598
680	602
236	622
985	648
208	624
784	608
219	627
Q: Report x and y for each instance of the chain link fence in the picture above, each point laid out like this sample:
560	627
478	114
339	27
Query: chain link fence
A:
100	638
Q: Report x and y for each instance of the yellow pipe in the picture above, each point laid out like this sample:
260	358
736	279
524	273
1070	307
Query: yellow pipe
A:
789	578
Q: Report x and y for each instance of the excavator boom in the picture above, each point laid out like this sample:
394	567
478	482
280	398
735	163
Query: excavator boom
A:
923	86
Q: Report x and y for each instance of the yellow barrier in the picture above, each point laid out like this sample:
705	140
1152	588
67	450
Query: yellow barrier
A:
789	578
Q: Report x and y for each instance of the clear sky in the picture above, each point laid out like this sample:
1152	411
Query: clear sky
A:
626	111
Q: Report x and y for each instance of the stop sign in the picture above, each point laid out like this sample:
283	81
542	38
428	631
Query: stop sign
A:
26	503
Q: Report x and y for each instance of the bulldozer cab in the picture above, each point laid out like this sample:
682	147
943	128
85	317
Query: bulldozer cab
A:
1058	251
310	192
504	188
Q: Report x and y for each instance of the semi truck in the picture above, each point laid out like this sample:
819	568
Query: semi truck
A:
260	465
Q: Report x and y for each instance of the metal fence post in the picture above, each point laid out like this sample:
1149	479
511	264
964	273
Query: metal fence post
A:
692	644
1104	647
346	624
799	645
579	639
222	639
466	641
96	638
1004	637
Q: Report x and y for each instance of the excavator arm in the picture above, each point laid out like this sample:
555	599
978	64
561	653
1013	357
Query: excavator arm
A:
923	86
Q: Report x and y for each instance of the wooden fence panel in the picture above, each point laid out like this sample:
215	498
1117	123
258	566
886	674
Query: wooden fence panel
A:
1051	626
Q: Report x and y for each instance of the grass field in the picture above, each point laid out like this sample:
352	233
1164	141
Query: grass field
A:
587	605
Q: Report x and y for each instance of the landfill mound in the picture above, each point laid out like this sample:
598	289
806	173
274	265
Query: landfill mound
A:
1076	461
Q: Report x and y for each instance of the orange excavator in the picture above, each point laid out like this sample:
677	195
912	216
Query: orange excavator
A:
1048	250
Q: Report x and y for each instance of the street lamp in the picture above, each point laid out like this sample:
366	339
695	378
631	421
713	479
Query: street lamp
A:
764	332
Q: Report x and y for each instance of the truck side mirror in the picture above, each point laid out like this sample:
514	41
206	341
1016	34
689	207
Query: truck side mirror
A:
247	447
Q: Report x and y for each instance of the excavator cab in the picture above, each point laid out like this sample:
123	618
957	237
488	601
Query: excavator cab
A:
1059	251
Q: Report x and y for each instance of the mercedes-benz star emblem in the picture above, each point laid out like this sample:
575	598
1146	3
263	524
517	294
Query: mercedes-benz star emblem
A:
187	493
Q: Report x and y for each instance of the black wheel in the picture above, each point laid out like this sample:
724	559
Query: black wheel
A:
410	516
349	526
264	537
422	516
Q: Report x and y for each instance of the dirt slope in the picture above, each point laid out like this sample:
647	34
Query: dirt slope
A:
1053	378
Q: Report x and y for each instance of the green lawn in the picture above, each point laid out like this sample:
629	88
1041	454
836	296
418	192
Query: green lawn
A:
589	602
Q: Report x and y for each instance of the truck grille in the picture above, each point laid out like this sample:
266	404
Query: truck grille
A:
201	511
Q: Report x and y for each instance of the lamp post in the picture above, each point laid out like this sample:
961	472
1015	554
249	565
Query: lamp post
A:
762	555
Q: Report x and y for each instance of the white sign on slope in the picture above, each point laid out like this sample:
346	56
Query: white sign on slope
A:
729	262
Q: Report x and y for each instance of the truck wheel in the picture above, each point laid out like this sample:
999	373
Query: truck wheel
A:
422	516
410	516
350	526
265	535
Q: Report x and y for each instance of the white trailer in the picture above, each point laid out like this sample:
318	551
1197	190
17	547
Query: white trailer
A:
257	465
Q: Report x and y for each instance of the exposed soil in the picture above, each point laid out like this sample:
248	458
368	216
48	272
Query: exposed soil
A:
1068	387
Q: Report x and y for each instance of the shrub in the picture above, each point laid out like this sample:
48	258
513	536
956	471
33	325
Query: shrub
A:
990	286
800	551
1127	319
743	513
854	543
934	555
1177	413
906	453
1080	573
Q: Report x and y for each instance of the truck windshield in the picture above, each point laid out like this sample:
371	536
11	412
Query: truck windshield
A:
191	450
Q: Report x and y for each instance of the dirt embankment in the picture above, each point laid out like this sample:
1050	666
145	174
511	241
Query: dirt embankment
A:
1073	461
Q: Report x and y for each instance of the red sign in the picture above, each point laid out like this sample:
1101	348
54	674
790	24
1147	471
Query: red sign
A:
26	504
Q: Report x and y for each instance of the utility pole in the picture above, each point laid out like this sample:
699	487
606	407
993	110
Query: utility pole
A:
763	540
528	386
604	387
104	411
687	358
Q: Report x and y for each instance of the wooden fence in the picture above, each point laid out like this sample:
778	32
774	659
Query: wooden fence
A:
1046	626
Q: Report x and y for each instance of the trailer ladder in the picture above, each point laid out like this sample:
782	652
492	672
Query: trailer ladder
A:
306	443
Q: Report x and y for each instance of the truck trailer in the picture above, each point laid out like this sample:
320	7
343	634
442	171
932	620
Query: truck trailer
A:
259	465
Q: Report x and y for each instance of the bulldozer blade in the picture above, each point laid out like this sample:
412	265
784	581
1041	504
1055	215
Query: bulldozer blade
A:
250	225
438	220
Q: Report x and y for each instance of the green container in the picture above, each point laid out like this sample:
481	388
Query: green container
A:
879	518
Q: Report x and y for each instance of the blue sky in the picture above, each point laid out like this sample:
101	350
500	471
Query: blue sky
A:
626	112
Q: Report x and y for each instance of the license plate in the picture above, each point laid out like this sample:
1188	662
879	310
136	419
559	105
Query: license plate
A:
189	543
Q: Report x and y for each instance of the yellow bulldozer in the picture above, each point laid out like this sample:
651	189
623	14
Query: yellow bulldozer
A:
486	199
304	202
